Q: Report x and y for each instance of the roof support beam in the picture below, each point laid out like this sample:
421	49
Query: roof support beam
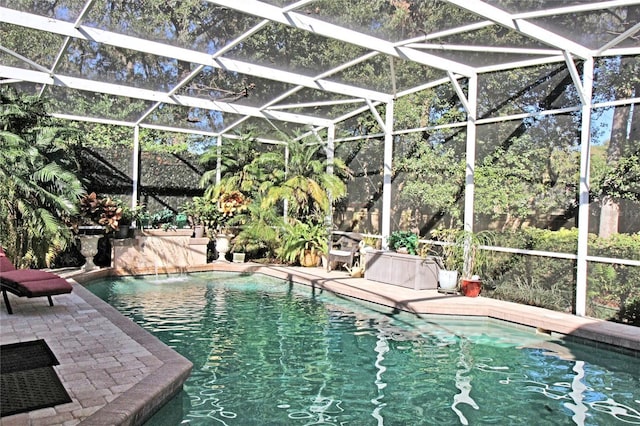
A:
575	76
583	208
461	95
42	23
323	28
523	27
151	95
631	31
377	116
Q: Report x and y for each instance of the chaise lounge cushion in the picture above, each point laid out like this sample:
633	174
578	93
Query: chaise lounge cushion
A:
29	282
5	263
34	283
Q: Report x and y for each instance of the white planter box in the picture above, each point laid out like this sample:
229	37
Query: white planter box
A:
404	270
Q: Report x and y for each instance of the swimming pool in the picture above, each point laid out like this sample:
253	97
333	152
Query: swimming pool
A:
268	352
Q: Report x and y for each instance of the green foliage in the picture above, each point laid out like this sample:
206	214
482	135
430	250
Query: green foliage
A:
434	178
259	236
202	211
406	239
162	217
615	285
300	237
541	281
306	184
39	184
451	250
620	180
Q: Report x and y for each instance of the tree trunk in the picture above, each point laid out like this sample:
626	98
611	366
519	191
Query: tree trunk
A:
609	215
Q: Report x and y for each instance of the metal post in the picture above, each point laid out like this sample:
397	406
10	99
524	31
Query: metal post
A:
135	168
387	168
583	209
469	191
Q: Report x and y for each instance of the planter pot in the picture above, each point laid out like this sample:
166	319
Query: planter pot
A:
404	270
239	257
310	258
222	245
198	231
88	249
122	232
447	280
471	287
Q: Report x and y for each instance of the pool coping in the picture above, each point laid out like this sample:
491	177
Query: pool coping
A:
142	400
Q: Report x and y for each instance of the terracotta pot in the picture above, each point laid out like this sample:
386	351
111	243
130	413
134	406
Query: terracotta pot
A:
310	258
470	287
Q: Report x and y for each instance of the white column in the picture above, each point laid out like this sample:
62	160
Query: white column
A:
286	173
135	168
583	209
469	191
387	168
330	150
471	154
219	160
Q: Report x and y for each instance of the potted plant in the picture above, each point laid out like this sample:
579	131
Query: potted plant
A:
97	216
404	242
475	260
129	215
461	252
201	212
162	218
238	250
304	243
450	259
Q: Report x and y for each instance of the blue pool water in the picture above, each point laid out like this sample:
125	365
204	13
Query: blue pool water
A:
268	352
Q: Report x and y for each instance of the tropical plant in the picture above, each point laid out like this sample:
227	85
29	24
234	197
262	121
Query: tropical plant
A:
131	214
305	183
163	218
406	239
461	250
103	211
245	166
201	211
39	185
476	259
232	203
450	250
259	235
302	237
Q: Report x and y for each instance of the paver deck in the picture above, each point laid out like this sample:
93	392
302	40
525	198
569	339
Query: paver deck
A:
117	373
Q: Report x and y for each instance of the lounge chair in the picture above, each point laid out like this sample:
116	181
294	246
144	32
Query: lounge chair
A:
344	249
29	282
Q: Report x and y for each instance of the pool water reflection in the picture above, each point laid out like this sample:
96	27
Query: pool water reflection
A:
267	352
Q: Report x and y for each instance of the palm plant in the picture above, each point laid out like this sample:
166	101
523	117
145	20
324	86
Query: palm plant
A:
259	236
244	167
305	182
39	187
